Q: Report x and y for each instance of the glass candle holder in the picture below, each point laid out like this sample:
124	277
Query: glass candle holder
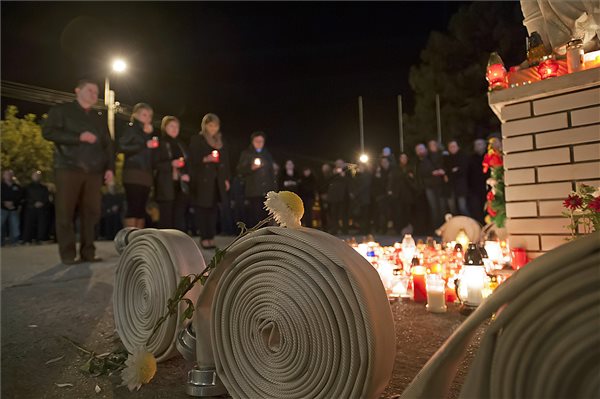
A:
436	302
548	67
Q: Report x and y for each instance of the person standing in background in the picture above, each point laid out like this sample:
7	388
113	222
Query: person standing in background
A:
112	210
12	197
307	190
403	190
256	167
37	198
322	197
361	197
387	153
171	181
83	157
289	179
138	143
432	185
338	195
476	181
382	196
456	164
210	173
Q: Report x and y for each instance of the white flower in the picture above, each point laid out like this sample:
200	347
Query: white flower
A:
596	193
141	367
491	182
286	208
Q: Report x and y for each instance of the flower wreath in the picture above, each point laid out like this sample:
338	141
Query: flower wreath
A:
496	202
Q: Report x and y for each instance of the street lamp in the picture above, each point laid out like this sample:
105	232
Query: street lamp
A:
364	158
118	66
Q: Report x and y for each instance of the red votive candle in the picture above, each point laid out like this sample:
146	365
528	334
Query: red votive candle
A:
419	285
215	155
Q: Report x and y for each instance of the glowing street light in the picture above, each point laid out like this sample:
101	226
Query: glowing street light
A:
119	65
364	158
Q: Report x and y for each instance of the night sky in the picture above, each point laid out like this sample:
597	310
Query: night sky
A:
294	70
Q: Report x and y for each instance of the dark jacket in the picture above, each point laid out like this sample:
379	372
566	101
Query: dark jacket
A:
63	127
36	192
456	166
132	143
425	168
287	182
169	150
12	193
476	179
307	188
260	181
403	184
208	179
361	188
381	183
339	187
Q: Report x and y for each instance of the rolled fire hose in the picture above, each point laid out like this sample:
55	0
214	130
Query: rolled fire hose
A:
151	265
295	313
544	341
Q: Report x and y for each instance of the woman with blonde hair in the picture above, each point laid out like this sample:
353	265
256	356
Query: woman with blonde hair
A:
138	143
171	180
209	159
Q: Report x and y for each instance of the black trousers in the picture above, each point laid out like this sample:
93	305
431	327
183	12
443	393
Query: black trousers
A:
36	224
307	219
337	211
173	213
206	219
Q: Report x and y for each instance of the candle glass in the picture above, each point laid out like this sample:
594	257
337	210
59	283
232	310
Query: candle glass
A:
436	302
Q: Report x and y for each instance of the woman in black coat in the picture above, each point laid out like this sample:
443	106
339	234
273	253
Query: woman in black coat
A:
209	159
256	168
171	180
138	144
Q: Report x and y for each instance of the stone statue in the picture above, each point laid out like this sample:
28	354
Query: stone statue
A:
558	21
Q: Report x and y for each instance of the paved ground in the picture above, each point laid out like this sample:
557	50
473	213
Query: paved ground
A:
43	300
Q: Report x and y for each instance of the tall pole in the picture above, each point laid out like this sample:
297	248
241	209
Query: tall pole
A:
106	91
439	119
400	124
362	128
111	113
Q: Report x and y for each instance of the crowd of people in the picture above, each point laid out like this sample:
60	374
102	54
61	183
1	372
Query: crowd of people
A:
169	183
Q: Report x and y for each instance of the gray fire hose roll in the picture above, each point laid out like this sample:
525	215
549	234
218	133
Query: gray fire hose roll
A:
151	265
544	341
296	313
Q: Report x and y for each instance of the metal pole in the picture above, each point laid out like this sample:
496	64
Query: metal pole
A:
106	91
400	123
360	121
439	119
111	113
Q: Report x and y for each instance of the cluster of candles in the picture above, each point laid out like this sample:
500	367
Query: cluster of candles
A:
437	274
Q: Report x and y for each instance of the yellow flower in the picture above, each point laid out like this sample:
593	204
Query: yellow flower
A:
141	367
286	208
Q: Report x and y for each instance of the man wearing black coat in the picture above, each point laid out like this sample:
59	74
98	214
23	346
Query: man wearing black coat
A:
338	194
476	181
256	168
456	165
83	158
12	197
37	198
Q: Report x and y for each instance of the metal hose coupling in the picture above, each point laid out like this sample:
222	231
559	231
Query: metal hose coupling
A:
186	343
202	383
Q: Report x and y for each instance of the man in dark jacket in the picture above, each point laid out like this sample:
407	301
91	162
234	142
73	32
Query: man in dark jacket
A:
361	197
456	164
476	181
432	182
12	197
337	196
37	198
256	167
83	158
402	186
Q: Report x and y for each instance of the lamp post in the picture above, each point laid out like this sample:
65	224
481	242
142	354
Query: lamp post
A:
118	66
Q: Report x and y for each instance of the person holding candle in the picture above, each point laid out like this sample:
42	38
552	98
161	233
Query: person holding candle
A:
256	167
171	180
209	158
289	179
138	143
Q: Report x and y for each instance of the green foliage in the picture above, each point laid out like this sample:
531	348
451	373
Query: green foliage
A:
453	65
23	147
499	202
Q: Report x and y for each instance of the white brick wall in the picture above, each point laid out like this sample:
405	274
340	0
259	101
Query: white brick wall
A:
551	142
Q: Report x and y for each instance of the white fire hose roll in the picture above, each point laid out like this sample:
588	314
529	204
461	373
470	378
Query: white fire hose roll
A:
544	341
297	313
149	270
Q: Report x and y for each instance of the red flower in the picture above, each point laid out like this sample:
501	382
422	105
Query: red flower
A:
491	210
492	159
573	202
490	196
595	204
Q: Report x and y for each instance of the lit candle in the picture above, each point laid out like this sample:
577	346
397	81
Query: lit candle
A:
181	163
436	302
257	161
419	285
216	155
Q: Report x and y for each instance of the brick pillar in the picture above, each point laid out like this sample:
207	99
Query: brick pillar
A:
551	141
